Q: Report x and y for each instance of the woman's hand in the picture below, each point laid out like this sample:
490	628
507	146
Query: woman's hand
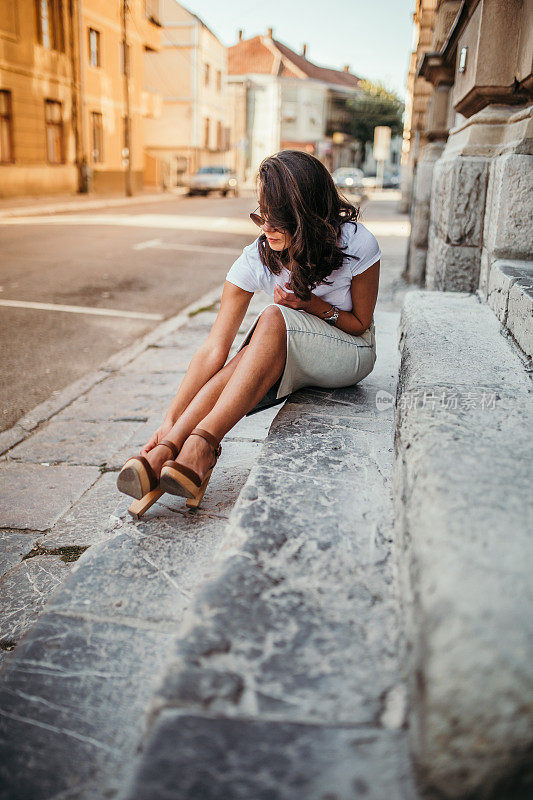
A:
161	433
286	298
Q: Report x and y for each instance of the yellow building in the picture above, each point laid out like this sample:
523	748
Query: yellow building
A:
62	93
103	87
37	132
190	72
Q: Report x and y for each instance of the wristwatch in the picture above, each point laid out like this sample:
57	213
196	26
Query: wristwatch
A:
332	320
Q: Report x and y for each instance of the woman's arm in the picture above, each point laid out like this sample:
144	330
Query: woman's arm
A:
364	291
208	359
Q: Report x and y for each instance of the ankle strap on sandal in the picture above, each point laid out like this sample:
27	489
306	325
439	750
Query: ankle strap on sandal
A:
173	448
212	440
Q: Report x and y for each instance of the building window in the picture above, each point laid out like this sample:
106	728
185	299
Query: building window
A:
125	147
219	136
206	132
219	80
97	137
6	128
124	53
206	74
94	48
50	24
54	132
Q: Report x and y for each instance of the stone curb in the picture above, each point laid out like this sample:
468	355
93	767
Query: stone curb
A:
64	397
462	491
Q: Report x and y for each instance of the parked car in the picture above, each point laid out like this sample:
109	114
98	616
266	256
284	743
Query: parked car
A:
348	178
213	179
389	181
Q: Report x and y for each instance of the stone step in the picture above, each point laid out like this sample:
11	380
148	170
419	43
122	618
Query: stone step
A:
285	681
463	501
510	295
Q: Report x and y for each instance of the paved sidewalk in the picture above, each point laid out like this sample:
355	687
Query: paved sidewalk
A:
56	204
59	494
68	528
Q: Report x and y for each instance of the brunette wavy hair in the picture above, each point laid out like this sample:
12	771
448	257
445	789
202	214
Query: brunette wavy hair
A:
297	195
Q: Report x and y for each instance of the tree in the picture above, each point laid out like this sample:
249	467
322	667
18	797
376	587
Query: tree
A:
376	106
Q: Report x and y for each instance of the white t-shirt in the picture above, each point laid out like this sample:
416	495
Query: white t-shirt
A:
249	273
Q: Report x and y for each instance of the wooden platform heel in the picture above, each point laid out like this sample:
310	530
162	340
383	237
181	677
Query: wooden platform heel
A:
138	507
183	481
138	480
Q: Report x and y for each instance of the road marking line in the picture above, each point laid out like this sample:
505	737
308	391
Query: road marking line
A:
189	248
101	312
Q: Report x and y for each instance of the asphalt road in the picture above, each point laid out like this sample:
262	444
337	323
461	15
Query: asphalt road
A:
142	259
151	258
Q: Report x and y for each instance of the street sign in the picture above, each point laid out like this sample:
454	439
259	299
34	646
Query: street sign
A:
382	136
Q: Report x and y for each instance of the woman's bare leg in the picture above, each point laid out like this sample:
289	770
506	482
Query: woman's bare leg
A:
197	409
262	363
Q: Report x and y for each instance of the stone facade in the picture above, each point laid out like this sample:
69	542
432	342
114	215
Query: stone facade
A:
473	179
422	185
418	94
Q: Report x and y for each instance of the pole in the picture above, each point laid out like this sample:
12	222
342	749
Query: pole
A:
83	161
379	174
127	155
75	88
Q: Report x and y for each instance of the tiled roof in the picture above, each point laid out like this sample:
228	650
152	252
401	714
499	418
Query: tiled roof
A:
268	56
339	77
250	56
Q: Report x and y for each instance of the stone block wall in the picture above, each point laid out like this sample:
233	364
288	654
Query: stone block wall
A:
480	230
506	279
423	183
510	295
456	223
509	220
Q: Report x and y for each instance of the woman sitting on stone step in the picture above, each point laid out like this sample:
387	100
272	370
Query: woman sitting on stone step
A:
321	267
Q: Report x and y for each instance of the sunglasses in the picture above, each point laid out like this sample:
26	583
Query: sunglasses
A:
260	221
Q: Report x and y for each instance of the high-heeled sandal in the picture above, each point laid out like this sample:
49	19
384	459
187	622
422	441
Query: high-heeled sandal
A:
178	479
138	480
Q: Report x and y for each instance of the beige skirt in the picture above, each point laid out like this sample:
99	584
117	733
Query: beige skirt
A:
318	354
